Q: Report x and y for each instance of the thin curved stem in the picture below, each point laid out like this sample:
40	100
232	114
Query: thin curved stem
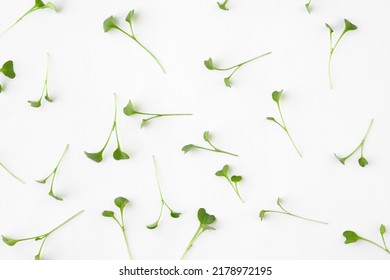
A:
199	231
286	130
20	19
376	244
10	173
243	63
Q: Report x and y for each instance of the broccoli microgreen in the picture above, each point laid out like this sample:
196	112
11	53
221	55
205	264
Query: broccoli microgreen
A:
233	180
174	214
352	237
210	65
206	138
11	173
118	153
348	27
307	5
362	160
205	221
276	95
129	110
109	24
222	5
285	212
12	241
39	5
121	203
52	175
8	70
45	91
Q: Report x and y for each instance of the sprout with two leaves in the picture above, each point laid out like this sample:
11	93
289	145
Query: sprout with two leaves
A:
352	237
121	203
45	90
118	153
12	241
109	24
129	110
233	180
8	70
206	138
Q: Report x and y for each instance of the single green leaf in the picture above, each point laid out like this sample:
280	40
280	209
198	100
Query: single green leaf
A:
223	172
43	181
206	136
129	109
121	202
97	157
342	160
119	155
349	26
329	27
236	178
152	226
35	104
51	6
55	196
209	64
205	218
1	88
9	241
271	119
362	161
8	69
222	5
187	148
382	229
350	237
144	122
130	16
276	95
175	214
37	257
262	214
108	213
48	99
307	5
39	3
227	82
109	23
279	201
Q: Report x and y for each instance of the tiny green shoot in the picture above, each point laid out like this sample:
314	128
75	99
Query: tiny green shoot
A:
222	5
285	212
348	27
233	180
8	70
11	173
118	153
12	241
352	237
52	175
276	95
210	65
109	24
206	138
174	214
45	91
362	160
121	203
205	221
39	5
130	110
308	8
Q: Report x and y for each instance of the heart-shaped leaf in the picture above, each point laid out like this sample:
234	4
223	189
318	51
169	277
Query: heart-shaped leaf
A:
205	218
236	178
8	69
97	157
175	214
227	82
35	104
129	109
223	172
109	23
9	241
276	95
362	161
209	64
121	202
130	16
350	237
349	26
119	155
187	148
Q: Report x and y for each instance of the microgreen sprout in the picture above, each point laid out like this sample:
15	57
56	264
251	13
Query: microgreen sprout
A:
118	153
352	237
307	5
233	180
362	160
8	70
45	91
276	95
11	173
174	214
109	24
205	220
39	5
121	203
206	138
12	241
348	27
52	175
129	110
210	65
222	5
285	212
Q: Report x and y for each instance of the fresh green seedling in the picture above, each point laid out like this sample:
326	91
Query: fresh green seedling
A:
276	95
348	27
362	160
109	24
52	176
12	241
206	138
45	91
8	70
285	212
39	5
174	214
129	110
118	153
11	173
210	65
205	221
222	5
233	180
121	203
352	237
307	5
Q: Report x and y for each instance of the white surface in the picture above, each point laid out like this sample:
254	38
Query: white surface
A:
88	65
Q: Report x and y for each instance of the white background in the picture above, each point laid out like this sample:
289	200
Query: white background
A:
88	65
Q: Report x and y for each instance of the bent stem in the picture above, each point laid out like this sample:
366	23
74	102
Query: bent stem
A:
376	244
243	63
235	188
10	173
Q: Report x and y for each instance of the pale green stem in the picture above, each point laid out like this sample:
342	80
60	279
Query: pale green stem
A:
10	173
216	150
286	130
241	64
199	231
376	244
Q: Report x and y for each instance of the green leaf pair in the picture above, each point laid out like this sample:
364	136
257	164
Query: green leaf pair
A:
8	70
129	110
118	153
222	5
45	91
206	138
233	180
